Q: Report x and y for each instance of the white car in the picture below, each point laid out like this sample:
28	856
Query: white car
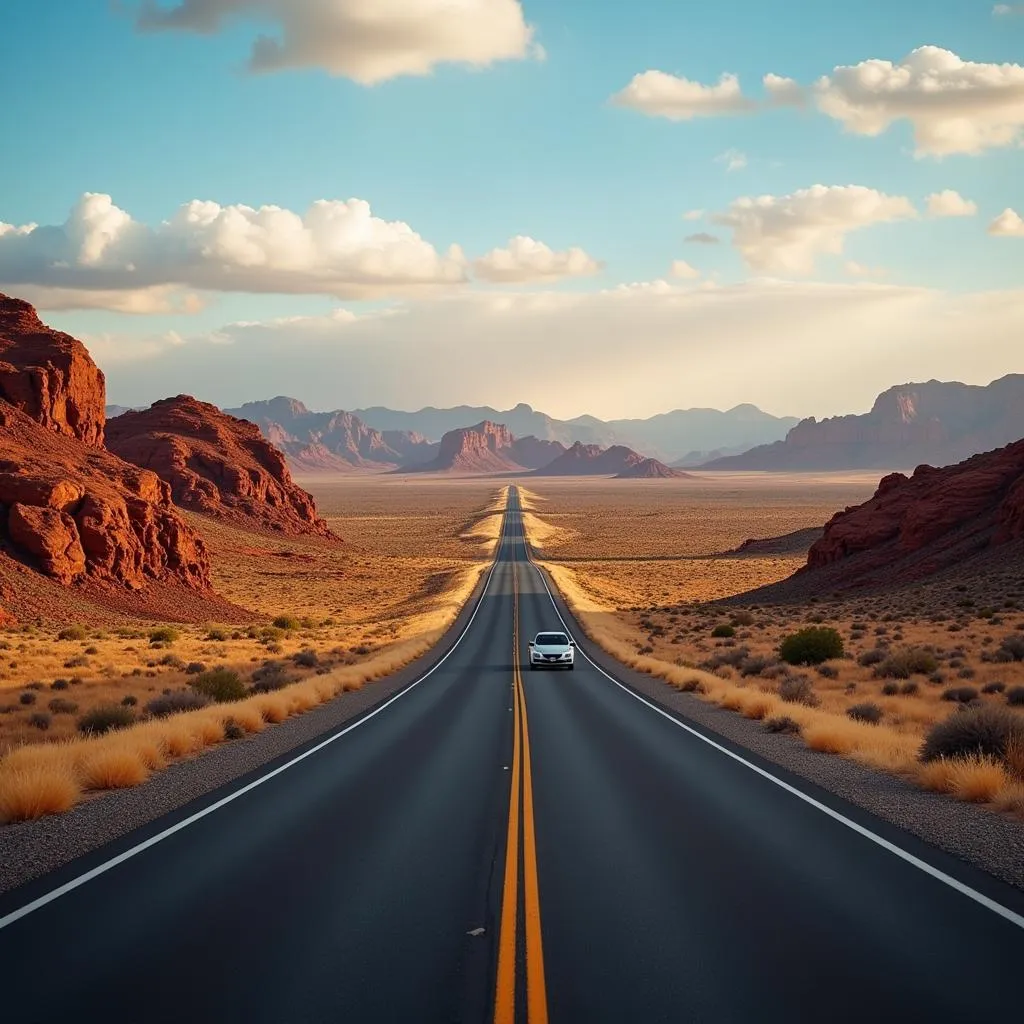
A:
552	650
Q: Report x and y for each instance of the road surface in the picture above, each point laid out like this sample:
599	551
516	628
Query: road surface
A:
504	845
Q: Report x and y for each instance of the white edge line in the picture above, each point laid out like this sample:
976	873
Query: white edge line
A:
88	876
953	883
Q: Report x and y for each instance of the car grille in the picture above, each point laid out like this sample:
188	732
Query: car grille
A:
552	657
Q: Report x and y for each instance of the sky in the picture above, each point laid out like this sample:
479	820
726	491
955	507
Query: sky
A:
590	206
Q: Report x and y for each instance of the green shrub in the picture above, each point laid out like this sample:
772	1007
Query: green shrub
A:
723	629
871	657
105	717
217	634
1011	649
1015	697
28	697
986	731
39	720
129	700
62	706
287	622
867	712
163	635
219	684
742	618
306	659
811	646
73	633
904	664
995	687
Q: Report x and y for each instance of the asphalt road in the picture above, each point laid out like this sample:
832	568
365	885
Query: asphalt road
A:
497	845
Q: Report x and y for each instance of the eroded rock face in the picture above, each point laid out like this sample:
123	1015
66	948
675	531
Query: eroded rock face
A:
48	375
976	503
76	511
618	460
216	464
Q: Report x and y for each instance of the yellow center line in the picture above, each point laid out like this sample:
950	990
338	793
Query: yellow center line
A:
505	1000
536	989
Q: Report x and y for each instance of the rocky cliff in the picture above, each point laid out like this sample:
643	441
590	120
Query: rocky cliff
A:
934	517
483	448
618	461
48	375
216	464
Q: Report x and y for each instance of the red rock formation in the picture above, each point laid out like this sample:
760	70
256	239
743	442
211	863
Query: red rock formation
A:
534	453
77	512
484	448
618	461
216	464
49	375
937	514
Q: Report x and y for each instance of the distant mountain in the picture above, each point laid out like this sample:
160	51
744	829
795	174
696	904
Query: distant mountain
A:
489	447
618	460
332	441
934	423
117	410
668	435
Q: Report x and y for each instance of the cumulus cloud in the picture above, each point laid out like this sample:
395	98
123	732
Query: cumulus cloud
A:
785	234
660	94
734	159
525	259
646	347
693	215
953	105
365	40
682	271
702	238
1009	224
949	203
335	248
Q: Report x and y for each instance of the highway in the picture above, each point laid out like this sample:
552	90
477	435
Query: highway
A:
512	846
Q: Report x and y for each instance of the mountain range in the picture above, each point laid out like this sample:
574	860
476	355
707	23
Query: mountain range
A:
935	423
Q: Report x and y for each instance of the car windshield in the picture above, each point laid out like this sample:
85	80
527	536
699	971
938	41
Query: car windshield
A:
552	639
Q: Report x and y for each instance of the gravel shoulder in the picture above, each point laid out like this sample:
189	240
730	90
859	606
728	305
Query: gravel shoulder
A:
981	838
32	849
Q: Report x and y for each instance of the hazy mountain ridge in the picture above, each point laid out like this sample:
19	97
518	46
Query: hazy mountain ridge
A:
936	423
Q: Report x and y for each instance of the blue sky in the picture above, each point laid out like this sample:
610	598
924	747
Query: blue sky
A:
475	156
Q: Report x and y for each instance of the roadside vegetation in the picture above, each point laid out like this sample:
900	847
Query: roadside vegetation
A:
926	683
85	708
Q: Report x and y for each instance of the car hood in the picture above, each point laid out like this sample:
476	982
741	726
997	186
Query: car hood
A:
552	649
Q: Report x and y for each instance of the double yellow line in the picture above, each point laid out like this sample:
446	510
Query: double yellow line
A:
521	796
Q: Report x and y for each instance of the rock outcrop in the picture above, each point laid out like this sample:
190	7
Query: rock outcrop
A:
216	464
534	453
651	469
77	512
934	518
318	442
49	375
483	448
618	461
935	423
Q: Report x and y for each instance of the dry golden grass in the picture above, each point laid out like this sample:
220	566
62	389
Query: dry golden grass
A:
393	588
648	610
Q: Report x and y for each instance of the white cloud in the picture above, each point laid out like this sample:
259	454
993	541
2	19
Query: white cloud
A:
1009	224
783	92
785	234
334	248
679	99
646	348
1001	10
734	159
693	215
953	105
682	271
949	203
365	40
525	259
660	94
